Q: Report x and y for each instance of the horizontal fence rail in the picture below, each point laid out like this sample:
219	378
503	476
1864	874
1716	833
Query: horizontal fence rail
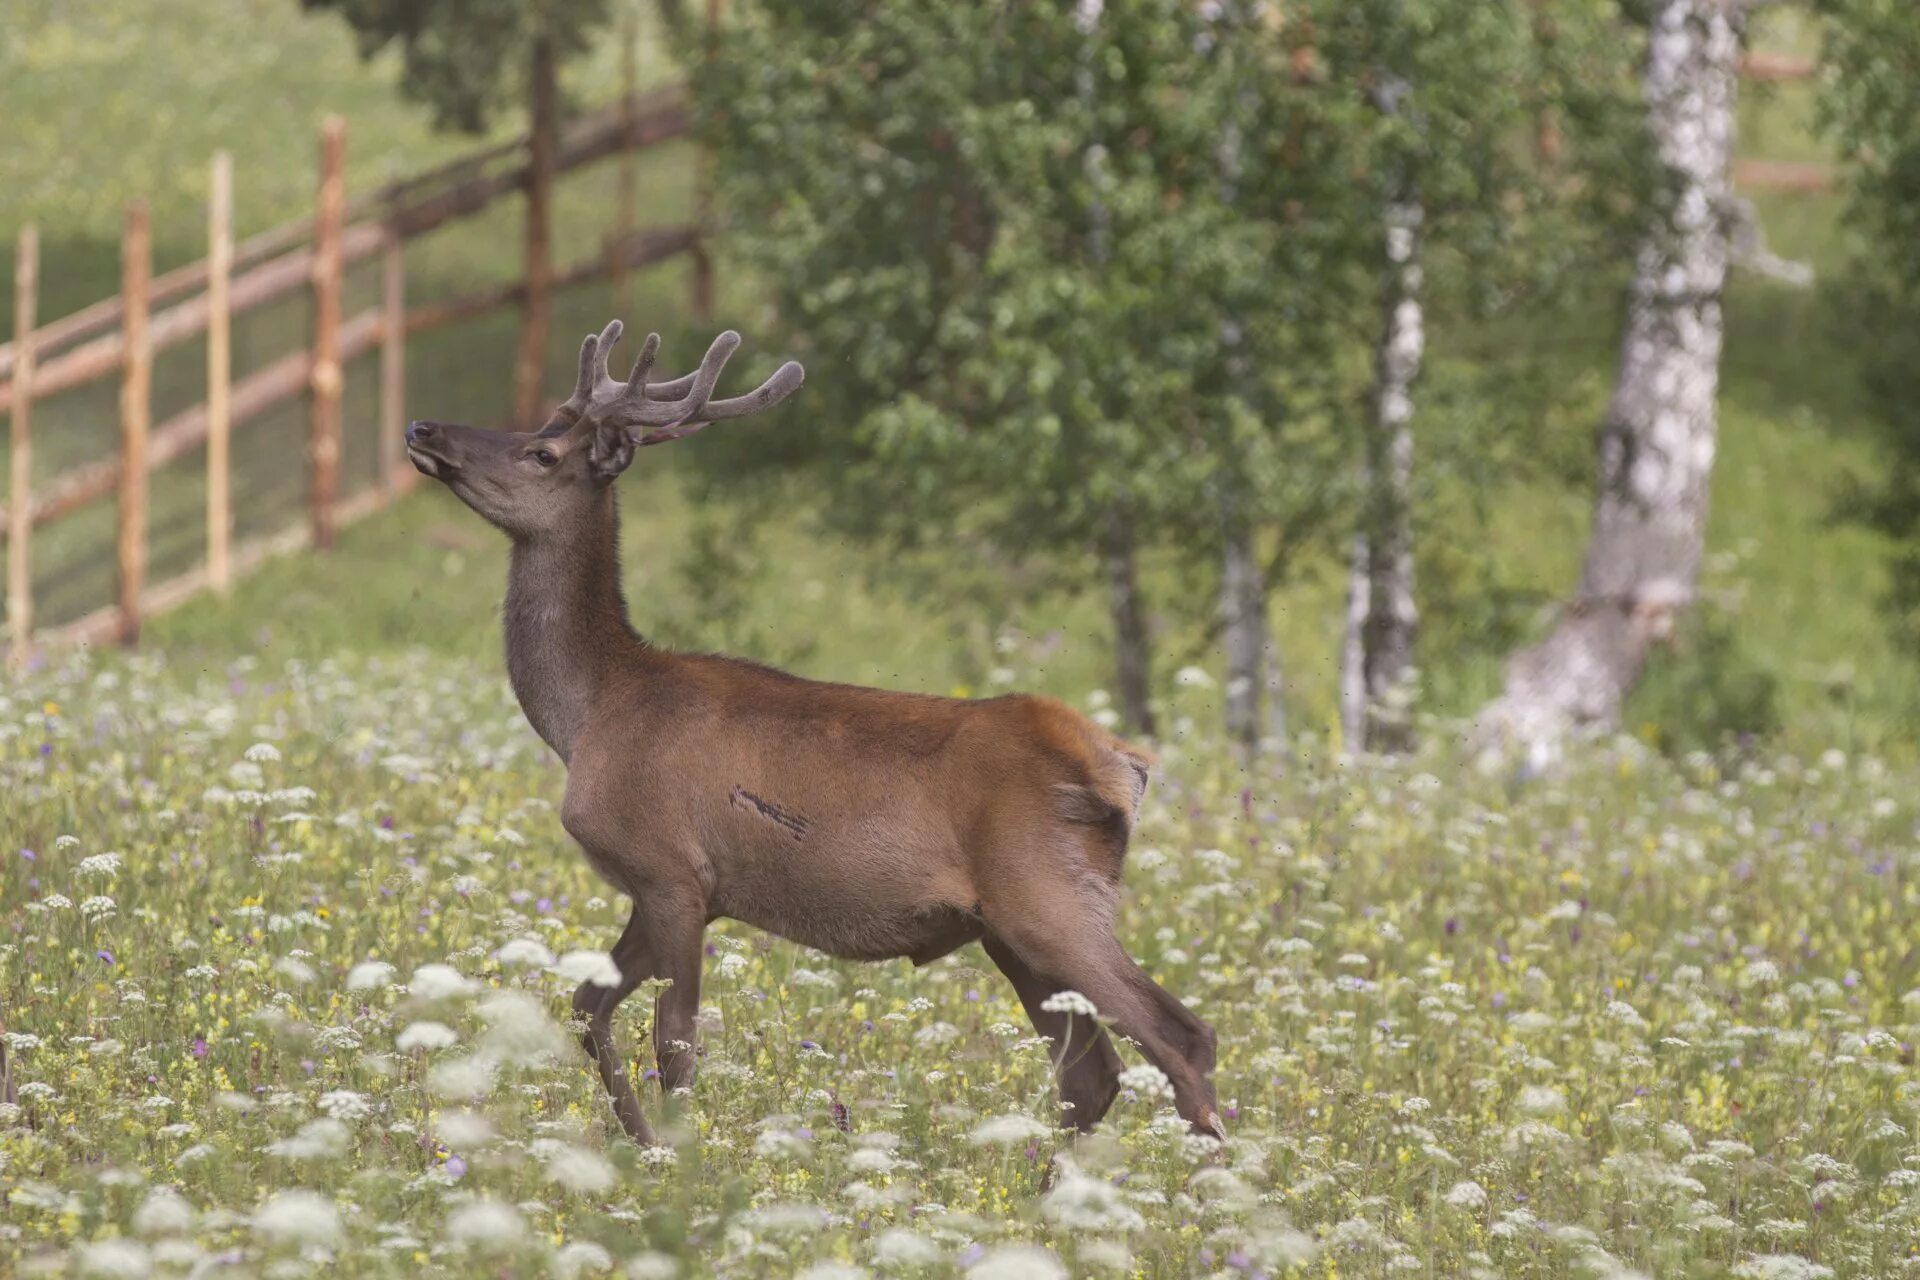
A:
121	336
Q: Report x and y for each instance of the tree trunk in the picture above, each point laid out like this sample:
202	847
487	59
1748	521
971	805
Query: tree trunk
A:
1391	620
1657	445
529	398
1131	645
1353	650
1243	610
1243	584
1276	679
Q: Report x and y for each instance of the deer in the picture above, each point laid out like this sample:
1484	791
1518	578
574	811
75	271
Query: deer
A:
868	824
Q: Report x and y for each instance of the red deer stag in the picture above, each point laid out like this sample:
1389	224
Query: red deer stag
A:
868	824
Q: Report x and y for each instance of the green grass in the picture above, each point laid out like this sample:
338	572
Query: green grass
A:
1654	1018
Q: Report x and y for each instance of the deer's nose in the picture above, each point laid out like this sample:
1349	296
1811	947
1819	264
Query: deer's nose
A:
421	432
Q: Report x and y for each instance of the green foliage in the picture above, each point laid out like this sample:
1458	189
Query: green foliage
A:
1002	236
1707	691
1870	105
464	57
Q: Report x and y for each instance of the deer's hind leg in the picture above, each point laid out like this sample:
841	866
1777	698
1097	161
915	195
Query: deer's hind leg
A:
1056	915
1084	1059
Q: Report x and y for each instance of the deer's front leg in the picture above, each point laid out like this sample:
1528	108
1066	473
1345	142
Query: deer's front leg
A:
681	929
661	940
596	1004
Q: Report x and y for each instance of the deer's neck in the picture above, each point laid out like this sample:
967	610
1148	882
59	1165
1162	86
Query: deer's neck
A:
566	622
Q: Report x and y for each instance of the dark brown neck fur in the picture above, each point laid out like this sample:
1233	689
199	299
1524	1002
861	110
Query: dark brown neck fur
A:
566	622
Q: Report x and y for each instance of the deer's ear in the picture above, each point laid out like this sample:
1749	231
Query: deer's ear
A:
610	451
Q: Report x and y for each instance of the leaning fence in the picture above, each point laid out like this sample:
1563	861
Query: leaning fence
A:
120	337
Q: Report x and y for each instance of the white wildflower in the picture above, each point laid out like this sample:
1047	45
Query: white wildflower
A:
578	1169
1071	1002
519	1030
1080	1203
1780	1266
1018	1262
426	1035
463	1128
581	1257
439	982
899	1247
295	971
1148	1081
1468	1195
530	952
1193	678
486	1224
316	1140
299	1217
1008	1130
462	1079
649	1265
596	967
370	975
785	1219
263	753
346	1105
115	1260
165	1212
1104	1255
100	864
833	1271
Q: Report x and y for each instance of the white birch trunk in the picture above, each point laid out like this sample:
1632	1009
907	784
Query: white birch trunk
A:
1243	612
1391	620
1353	651
1657	445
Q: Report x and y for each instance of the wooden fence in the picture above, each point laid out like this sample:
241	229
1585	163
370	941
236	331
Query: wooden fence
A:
120	335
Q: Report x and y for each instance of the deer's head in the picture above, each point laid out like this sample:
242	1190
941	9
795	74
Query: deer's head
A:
533	483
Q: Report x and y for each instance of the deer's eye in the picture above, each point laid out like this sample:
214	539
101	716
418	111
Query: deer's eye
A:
545	457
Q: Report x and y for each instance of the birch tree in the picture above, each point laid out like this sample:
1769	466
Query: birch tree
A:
1048	319
1657	444
1440	90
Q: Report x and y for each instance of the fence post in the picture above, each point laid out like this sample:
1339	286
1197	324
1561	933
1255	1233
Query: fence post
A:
324	433
701	301
219	374
136	381
394	479
537	280
26	290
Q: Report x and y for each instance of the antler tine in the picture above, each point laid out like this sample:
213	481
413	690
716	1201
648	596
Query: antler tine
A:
643	364
785	381
636	409
677	408
592	382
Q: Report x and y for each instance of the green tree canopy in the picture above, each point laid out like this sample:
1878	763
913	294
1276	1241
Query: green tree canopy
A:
464	57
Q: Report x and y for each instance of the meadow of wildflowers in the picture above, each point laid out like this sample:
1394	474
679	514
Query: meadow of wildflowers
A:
285	959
